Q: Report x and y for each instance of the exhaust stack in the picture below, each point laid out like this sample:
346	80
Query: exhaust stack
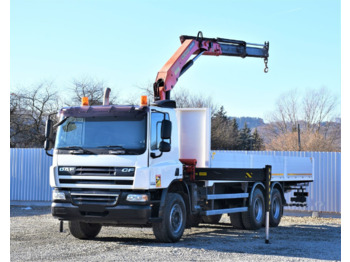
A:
106	96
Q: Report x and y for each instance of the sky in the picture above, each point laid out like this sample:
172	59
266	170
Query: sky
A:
125	44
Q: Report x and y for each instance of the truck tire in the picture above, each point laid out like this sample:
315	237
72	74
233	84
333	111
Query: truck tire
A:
255	216
174	220
276	209
83	230
211	219
236	220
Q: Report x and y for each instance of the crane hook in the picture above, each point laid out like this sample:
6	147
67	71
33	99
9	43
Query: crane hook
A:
266	69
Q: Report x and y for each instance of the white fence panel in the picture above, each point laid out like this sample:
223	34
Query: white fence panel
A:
29	170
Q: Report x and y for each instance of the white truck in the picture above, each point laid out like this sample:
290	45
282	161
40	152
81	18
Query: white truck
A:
151	165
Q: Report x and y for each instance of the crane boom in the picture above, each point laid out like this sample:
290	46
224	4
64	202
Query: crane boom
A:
191	45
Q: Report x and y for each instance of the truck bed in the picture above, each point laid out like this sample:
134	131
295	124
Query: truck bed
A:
284	168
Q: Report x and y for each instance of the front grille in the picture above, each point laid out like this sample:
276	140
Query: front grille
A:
105	199
95	177
96	182
104	171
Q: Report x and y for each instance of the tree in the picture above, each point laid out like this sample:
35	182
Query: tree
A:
29	109
257	141
285	116
314	112
93	89
318	107
245	138
309	142
225	134
219	130
233	135
17	118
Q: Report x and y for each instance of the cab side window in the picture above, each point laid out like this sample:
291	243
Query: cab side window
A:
156	124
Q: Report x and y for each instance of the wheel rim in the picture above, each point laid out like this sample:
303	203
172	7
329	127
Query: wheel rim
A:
276	209
258	209
176	218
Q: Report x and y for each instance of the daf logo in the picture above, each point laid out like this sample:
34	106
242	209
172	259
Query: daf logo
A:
127	170
66	169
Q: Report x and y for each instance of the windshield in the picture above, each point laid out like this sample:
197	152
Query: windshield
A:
103	133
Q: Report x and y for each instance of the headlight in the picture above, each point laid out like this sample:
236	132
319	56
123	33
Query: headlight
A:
57	195
137	198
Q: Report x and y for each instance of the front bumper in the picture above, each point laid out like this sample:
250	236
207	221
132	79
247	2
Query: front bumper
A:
117	215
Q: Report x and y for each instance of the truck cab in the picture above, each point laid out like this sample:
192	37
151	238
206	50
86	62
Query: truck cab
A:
105	155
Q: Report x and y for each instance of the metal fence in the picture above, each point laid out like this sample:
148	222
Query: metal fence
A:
30	177
29	169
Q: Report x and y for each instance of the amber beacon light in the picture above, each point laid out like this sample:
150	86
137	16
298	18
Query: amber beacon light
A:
85	101
143	101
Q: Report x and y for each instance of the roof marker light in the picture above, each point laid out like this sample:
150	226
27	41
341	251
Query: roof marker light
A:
143	101
84	101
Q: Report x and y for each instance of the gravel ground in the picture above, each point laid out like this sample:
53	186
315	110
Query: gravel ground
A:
35	237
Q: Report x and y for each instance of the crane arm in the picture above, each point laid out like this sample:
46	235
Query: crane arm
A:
190	45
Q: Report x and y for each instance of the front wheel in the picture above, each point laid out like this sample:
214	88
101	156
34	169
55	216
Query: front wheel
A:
83	230
174	220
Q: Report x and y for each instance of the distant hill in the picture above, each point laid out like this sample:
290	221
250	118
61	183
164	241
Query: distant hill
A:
252	122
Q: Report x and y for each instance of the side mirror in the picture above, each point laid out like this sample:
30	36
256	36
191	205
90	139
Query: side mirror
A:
48	128
48	144
165	133
164	147
166	129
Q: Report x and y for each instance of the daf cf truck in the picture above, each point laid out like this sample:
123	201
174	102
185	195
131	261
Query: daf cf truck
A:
151	165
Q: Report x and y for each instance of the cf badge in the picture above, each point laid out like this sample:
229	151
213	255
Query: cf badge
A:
127	170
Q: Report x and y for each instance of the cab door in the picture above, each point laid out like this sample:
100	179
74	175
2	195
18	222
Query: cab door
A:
164	166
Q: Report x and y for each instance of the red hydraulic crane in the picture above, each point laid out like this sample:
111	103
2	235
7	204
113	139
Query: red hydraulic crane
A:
191	45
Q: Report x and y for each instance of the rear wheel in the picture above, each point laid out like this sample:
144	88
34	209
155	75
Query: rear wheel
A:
276	209
83	230
254	218
174	220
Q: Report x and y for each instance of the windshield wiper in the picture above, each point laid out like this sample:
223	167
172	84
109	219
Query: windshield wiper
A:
76	150
61	122
115	149
116	146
